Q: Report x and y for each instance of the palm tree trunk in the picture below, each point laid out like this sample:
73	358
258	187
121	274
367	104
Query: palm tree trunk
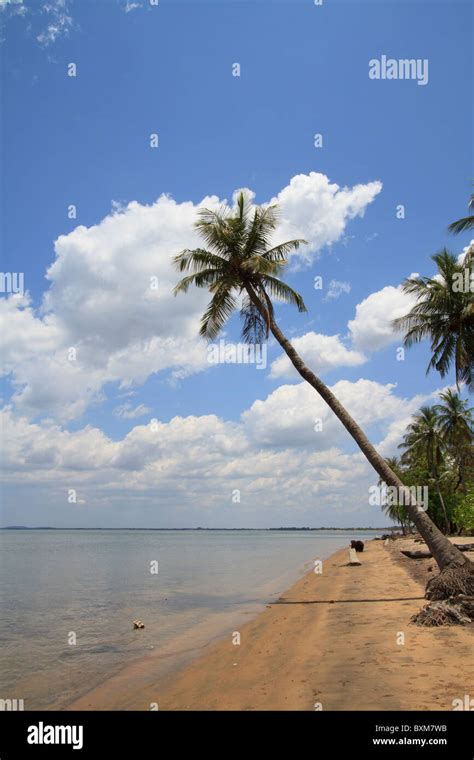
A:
445	554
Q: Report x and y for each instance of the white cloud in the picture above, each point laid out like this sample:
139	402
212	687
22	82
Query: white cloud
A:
24	338
462	255
371	328
317	210
289	414
388	446
48	20
46	452
111	298
59	21
321	352
274	456
184	471
13	7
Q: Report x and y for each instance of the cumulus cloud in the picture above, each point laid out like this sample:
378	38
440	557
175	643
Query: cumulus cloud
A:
321	352
388	445
110	302
274	456
46	452
317	210
463	254
371	328
292	412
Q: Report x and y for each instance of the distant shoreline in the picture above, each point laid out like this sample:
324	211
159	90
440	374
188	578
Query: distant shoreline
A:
291	529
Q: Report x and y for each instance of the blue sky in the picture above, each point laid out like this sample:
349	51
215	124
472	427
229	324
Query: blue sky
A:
84	140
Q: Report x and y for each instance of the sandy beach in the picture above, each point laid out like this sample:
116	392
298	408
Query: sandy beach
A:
339	640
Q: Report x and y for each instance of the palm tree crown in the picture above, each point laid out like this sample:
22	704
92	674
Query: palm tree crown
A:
444	313
454	419
455	423
240	258
423	435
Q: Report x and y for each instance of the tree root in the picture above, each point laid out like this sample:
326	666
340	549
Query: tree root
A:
451	595
451	582
458	610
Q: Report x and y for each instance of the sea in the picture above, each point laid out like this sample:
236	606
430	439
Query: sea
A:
69	598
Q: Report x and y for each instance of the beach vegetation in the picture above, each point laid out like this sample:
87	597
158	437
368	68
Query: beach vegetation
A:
438	450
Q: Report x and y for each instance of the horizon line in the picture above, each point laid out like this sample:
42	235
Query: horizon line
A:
290	527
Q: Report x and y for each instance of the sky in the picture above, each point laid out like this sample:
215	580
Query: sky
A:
120	120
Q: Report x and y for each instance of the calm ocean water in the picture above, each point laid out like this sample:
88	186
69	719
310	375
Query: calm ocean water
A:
90	585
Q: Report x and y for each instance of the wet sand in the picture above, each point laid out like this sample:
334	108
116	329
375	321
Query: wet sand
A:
340	640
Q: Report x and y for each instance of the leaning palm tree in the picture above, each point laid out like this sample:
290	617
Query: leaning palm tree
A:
423	438
455	424
240	264
443	313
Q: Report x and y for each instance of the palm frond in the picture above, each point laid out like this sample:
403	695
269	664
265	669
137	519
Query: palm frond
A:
206	278
279	253
197	259
461	225
283	292
258	235
220	308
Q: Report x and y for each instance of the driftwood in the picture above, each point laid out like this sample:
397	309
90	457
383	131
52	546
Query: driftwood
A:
425	554
416	554
457	610
353	558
